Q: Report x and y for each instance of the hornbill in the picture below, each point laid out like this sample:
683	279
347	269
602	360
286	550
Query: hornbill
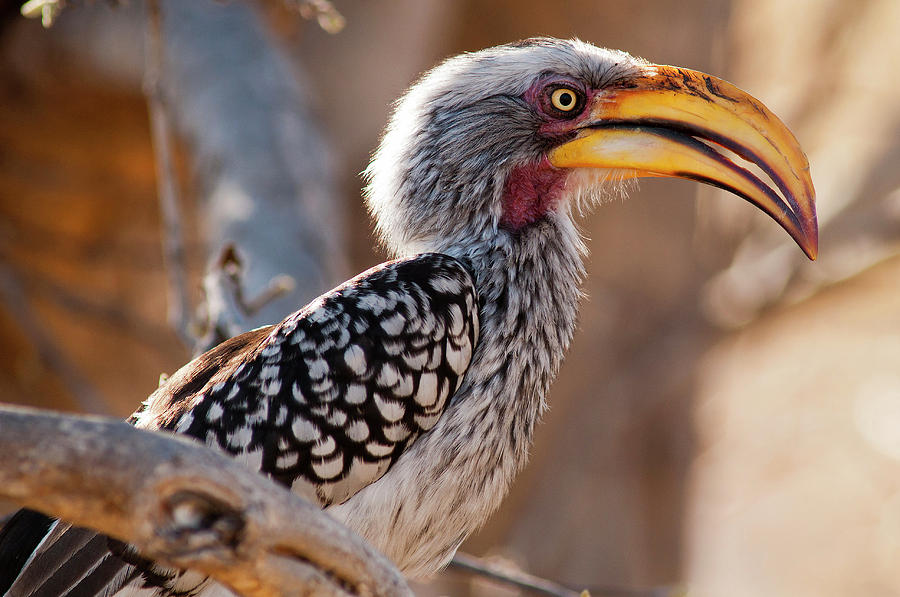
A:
404	400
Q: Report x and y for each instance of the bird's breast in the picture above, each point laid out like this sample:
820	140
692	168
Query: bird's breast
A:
452	477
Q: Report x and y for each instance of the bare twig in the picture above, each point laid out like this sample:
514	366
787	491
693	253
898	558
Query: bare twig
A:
540	586
226	308
87	398
185	505
172	236
229	269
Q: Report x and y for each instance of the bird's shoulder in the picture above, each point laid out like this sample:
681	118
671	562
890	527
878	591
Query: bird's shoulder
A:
328	399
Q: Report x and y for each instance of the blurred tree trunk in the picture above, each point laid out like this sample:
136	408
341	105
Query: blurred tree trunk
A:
263	166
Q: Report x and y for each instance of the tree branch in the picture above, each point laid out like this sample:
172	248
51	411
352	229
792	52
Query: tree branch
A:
476	566
536	585
161	133
185	505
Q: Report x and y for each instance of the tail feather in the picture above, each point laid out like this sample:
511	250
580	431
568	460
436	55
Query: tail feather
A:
19	537
73	556
107	578
47	558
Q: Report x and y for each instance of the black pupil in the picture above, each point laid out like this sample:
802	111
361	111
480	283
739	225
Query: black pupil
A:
565	99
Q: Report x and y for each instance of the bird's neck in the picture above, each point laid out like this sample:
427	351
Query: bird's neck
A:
457	473
528	284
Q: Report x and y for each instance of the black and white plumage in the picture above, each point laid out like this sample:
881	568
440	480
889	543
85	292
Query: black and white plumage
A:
328	399
405	400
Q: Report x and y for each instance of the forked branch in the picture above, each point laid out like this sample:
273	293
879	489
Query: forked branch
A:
186	506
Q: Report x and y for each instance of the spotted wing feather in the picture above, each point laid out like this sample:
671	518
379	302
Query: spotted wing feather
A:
324	402
329	399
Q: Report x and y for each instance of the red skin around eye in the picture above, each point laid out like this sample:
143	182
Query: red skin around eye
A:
555	124
533	190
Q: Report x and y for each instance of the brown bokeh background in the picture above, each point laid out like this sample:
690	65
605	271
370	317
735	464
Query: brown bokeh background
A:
728	418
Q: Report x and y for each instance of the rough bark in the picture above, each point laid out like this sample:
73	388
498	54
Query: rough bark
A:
185	505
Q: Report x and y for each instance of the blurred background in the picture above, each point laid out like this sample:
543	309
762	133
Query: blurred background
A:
728	418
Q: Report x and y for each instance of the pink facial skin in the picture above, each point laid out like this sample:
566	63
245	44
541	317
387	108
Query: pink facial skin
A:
530	192
533	190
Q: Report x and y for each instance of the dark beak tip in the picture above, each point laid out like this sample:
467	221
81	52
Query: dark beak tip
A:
809	241
811	232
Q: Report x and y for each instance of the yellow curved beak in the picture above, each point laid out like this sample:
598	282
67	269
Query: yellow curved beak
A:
668	122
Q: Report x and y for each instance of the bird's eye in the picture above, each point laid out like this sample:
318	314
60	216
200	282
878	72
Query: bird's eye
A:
564	99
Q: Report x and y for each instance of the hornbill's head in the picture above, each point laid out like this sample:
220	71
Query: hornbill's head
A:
491	142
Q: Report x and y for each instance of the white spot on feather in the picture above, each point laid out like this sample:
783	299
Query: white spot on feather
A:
356	394
457	322
287	460
322	387
261	415
214	413
458	357
379	450
415	360
427	393
320	315
298	337
240	438
271	387
329	469
358	430
184	422
317	368
405	388
443	393
437	354
428	323
397	433
337	418
391	410
393	348
305	431
324	448
388	376
373	303
393	325
270	350
355	358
